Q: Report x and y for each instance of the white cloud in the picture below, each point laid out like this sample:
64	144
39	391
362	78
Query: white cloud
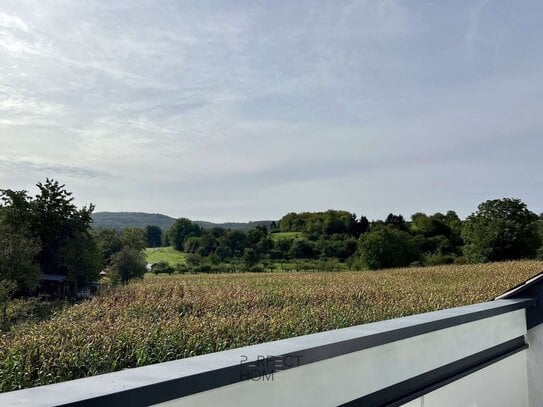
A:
13	22
474	23
238	110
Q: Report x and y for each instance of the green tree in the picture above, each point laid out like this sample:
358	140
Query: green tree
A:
282	247
153	236
194	259
256	234
180	231
55	222
236	241
134	238
338	246
162	267
539	226
127	264
361	226
454	223
223	252
292	222
387	247
108	242
302	249
19	270
192	244
439	234
264	246
316	224
429	225
396	221
16	209
501	229
338	222
250	257
81	260
18	257
207	243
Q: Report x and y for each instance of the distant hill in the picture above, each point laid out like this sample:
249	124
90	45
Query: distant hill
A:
123	220
235	225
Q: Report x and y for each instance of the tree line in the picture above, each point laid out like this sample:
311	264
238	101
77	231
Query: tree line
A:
48	235
501	229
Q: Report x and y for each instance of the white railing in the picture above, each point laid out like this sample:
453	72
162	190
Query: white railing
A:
473	355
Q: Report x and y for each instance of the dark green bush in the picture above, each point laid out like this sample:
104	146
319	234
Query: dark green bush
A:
437	259
387	247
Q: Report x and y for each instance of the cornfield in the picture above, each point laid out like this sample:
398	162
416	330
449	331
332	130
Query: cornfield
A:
170	317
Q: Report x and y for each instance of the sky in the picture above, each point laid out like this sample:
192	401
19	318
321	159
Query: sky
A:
246	110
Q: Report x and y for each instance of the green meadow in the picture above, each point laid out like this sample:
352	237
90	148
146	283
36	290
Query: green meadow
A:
166	254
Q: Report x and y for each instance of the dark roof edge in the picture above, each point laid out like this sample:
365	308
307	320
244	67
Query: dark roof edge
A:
522	287
531	288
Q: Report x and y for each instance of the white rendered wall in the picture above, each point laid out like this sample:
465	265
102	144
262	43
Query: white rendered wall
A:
344	378
502	384
535	365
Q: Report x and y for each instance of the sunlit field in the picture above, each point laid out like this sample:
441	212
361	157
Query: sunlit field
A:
163	318
285	235
166	254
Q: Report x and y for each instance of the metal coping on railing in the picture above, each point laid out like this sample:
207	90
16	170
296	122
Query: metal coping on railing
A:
158	383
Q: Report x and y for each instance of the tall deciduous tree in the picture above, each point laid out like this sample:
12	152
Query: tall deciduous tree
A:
134	238
501	229
80	259
153	236
60	228
180	231
18	257
108	242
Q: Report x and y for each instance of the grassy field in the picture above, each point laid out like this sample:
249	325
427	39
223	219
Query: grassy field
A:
165	254
169	317
285	235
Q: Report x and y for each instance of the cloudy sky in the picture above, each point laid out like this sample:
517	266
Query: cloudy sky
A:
240	110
